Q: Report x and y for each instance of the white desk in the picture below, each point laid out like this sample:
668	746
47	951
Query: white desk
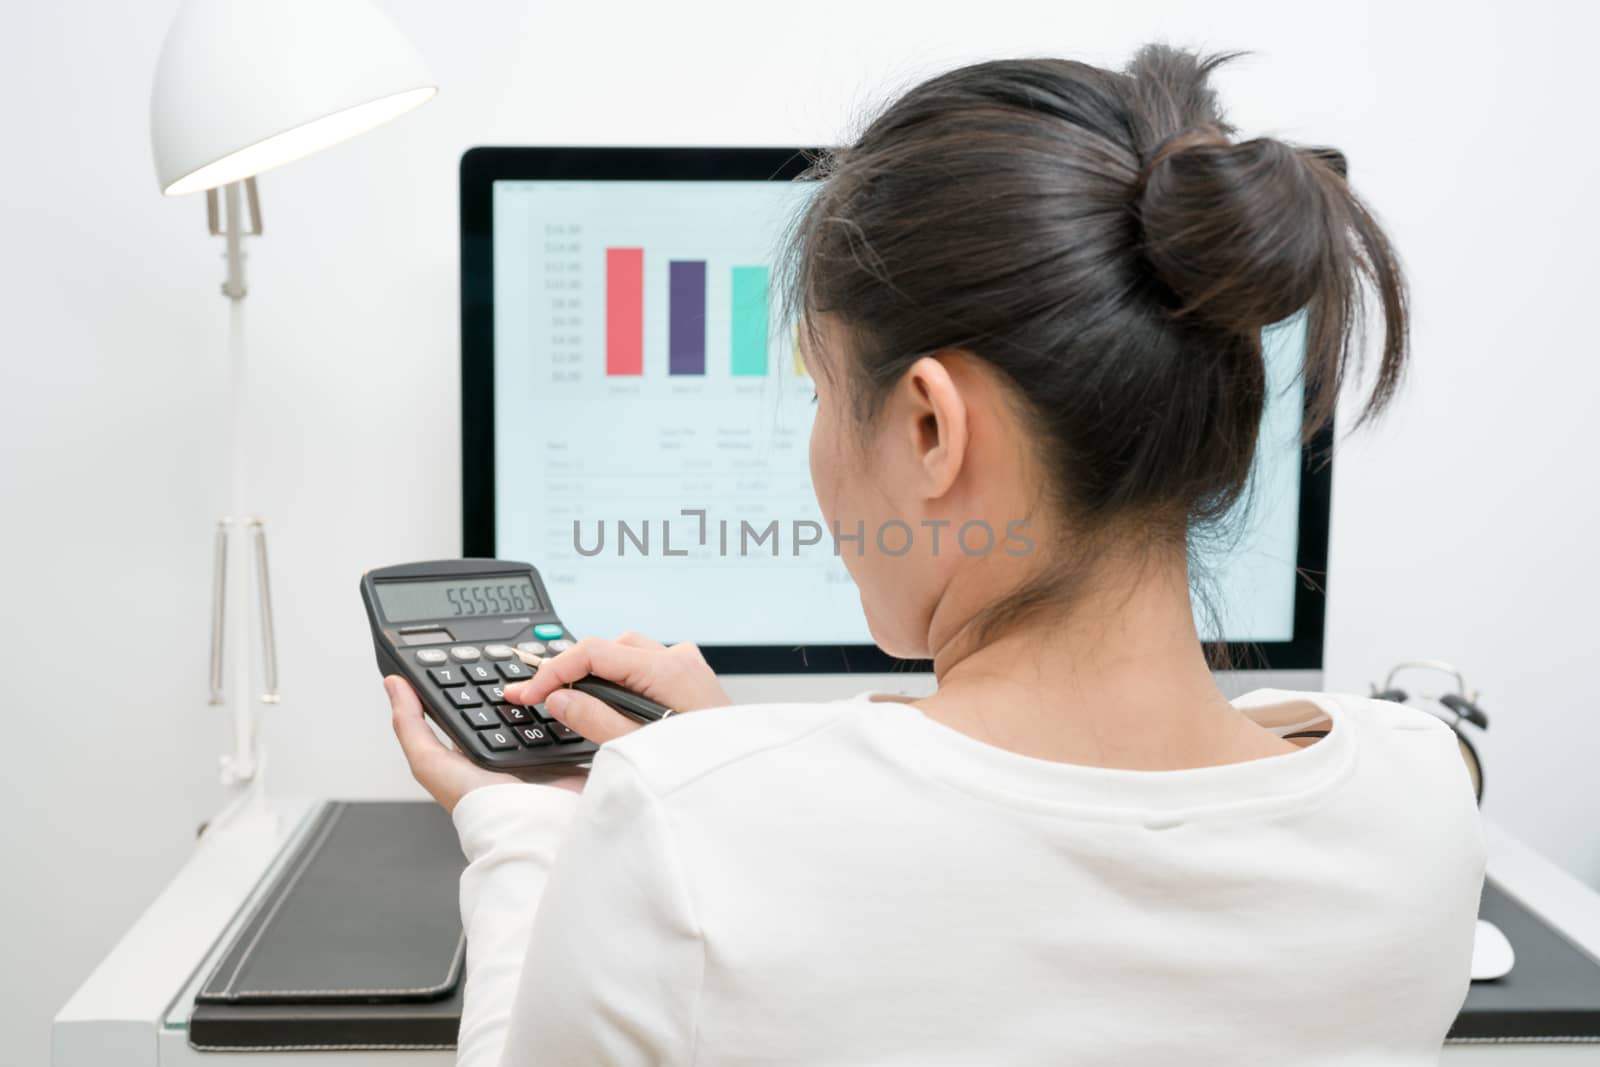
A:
132	1010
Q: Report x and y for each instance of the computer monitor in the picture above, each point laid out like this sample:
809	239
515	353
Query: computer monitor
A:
635	424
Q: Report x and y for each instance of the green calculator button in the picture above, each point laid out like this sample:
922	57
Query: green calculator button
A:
546	630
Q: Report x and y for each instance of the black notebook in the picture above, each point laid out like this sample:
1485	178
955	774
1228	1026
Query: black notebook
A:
357	943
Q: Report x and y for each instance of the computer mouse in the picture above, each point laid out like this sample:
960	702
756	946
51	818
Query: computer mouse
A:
1492	956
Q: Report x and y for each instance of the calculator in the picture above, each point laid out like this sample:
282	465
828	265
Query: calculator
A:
451	627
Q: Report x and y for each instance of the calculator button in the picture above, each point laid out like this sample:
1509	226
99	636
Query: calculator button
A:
546	630
541	714
560	646
480	672
480	717
535	647
464	654
497	740
492	694
533	734
463	698
432	657
514	670
498	651
516	714
446	676
562	733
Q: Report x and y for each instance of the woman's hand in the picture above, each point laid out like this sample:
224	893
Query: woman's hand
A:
446	774
677	677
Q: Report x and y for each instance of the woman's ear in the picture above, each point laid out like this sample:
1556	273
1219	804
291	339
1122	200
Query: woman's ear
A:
934	415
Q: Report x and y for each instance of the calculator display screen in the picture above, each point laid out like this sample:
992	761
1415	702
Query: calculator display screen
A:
457	598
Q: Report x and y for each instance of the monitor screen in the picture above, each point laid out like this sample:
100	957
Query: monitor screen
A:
650	421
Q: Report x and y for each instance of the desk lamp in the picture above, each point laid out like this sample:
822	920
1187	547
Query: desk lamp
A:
243	86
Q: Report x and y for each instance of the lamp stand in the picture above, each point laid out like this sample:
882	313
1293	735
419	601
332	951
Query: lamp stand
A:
239	559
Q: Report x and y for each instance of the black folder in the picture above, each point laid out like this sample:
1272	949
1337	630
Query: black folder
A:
357	943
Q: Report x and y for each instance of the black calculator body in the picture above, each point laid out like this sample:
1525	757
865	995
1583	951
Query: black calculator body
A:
450	627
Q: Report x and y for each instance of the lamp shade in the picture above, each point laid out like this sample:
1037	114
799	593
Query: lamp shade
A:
245	85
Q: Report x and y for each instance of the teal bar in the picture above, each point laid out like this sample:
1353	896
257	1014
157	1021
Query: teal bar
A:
749	321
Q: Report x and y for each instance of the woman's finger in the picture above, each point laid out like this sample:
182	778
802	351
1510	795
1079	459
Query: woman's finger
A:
594	719
633	640
417	741
628	666
446	774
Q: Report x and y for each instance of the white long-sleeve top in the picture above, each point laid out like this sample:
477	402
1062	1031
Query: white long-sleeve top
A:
855	883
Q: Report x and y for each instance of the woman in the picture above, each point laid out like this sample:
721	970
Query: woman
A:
1033	291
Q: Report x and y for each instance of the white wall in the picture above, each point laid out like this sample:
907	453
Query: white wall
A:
1462	528
109	331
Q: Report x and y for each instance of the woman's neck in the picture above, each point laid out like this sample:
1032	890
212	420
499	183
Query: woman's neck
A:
1116	678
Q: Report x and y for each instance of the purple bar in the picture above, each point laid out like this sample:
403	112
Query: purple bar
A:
686	316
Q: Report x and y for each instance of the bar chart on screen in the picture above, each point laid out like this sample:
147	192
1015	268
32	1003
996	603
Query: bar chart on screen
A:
748	326
651	385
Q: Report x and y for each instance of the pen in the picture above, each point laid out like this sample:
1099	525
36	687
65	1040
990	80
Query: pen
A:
629	703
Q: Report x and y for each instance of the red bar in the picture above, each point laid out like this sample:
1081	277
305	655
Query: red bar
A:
624	311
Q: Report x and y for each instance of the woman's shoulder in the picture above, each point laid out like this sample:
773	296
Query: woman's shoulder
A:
1289	711
1400	756
675	752
1413	746
1393	753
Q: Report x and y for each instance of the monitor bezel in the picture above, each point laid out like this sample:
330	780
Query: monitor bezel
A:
482	167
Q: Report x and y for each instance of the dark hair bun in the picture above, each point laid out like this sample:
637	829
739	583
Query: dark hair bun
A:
1241	235
1107	242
